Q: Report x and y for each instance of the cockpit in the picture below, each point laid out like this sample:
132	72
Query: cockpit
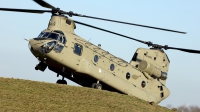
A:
56	35
57	44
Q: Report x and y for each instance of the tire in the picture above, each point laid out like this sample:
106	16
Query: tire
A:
36	68
98	86
61	81
64	82
93	85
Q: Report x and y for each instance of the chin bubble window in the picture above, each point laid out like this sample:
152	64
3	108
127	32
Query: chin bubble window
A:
58	48
128	75
112	67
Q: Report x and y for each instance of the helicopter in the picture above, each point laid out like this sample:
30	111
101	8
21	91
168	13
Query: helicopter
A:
76	59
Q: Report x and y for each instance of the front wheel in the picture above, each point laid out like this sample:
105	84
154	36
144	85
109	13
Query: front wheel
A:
61	82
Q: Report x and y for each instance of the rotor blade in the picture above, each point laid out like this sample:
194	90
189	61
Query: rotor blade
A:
109	31
25	10
44	4
74	14
185	50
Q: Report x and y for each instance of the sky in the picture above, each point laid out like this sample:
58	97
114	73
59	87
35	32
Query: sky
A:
17	61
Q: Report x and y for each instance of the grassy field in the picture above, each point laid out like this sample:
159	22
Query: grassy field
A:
27	96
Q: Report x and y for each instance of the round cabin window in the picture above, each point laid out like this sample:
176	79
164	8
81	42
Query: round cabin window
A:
143	84
112	67
128	75
96	58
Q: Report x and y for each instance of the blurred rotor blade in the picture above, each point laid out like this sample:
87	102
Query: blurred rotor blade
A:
44	4
25	10
75	14
185	50
109	31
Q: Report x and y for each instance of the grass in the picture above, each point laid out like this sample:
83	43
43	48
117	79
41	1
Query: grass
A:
27	96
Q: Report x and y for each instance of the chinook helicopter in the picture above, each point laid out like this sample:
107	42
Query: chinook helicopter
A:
74	58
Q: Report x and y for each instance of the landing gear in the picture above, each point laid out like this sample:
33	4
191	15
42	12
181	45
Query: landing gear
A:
96	86
59	81
41	66
99	86
93	85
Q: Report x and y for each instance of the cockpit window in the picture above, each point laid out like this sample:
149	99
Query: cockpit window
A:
53	36
40	34
56	35
49	35
45	35
62	39
58	32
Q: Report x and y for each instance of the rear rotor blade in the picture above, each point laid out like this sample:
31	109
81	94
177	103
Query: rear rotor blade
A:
44	4
185	50
25	10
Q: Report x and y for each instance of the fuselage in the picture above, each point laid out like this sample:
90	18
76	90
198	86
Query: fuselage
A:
71	56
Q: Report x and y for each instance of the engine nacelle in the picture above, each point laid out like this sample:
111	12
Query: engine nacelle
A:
152	70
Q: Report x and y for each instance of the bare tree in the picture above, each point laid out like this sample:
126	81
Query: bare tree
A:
188	109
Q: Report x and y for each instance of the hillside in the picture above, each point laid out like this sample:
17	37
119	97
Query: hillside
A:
24	95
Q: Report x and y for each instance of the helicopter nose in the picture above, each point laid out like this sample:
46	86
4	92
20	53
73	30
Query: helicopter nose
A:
34	46
30	47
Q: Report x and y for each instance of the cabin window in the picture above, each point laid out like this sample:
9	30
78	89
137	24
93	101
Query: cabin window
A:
77	49
143	84
96	58
112	67
128	75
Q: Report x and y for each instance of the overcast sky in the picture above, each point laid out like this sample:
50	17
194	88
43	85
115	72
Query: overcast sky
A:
183	77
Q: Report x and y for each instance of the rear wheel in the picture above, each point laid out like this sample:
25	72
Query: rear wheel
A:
93	85
98	86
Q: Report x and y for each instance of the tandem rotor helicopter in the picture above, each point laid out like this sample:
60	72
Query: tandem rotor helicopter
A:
88	65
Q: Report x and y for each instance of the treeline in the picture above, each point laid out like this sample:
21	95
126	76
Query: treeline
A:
185	108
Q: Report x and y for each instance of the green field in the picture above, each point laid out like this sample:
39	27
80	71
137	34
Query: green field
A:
27	96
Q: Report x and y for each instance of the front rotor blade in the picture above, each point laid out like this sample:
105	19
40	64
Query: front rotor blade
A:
74	14
109	31
44	4
186	50
25	10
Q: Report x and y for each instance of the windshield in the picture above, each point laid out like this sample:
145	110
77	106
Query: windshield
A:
49	35
56	35
53	36
40	34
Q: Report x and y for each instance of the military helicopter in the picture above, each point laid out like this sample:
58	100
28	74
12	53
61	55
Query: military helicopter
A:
74	58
